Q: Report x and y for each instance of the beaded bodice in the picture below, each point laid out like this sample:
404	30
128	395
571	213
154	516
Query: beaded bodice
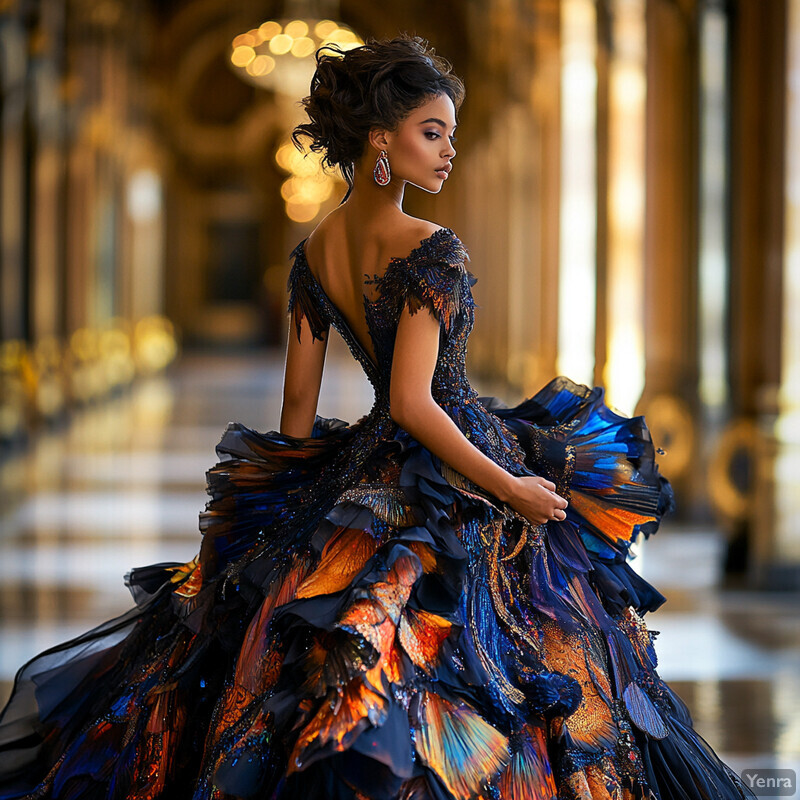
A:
432	276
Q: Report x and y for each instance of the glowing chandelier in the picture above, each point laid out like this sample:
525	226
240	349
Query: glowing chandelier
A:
280	53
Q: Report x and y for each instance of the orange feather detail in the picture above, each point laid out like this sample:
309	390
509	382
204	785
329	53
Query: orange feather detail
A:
343	557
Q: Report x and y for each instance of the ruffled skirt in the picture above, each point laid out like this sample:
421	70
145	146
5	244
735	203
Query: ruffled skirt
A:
402	635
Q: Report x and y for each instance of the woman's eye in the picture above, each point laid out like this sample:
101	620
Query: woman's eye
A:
433	133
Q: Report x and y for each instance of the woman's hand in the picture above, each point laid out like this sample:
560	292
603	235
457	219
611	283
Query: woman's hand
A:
536	499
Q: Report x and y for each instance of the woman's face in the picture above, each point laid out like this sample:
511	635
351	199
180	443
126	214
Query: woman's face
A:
423	145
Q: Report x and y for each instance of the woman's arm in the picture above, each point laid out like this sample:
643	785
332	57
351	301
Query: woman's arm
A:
302	378
413	408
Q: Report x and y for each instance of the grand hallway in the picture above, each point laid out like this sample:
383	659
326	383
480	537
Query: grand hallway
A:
123	485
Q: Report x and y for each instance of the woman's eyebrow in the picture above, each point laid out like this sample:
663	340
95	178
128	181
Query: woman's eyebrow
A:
440	121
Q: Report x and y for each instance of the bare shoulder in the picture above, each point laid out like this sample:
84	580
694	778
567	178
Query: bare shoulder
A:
396	237
320	232
408	234
423	226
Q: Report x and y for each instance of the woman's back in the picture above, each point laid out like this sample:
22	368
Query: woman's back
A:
345	256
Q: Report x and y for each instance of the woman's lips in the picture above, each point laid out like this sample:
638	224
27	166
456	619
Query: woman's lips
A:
442	173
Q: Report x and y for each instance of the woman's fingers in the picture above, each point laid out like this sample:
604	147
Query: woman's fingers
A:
541	508
560	501
549	487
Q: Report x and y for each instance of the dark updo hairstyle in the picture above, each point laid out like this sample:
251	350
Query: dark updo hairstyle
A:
376	85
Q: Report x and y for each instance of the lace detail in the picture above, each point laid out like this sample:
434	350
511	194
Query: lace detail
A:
431	276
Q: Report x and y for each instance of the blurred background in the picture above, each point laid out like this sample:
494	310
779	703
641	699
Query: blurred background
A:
628	187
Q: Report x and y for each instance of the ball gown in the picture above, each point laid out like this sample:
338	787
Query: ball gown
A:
362	621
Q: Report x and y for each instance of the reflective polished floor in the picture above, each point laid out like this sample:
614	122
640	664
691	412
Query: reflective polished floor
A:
122	486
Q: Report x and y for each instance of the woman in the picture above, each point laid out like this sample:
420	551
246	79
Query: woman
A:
433	602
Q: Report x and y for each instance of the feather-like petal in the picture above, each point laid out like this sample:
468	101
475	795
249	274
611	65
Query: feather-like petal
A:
343	557
462	748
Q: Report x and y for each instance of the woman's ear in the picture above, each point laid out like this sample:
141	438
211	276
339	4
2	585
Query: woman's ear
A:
377	139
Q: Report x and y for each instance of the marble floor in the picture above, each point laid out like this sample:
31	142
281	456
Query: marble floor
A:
122	486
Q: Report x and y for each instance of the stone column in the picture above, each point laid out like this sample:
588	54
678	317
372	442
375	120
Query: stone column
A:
540	336
670	397
758	85
512	180
13	312
761	260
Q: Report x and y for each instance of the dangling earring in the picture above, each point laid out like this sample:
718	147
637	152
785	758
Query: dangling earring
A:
382	173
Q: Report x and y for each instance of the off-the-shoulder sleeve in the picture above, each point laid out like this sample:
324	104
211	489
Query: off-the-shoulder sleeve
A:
437	279
303	302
